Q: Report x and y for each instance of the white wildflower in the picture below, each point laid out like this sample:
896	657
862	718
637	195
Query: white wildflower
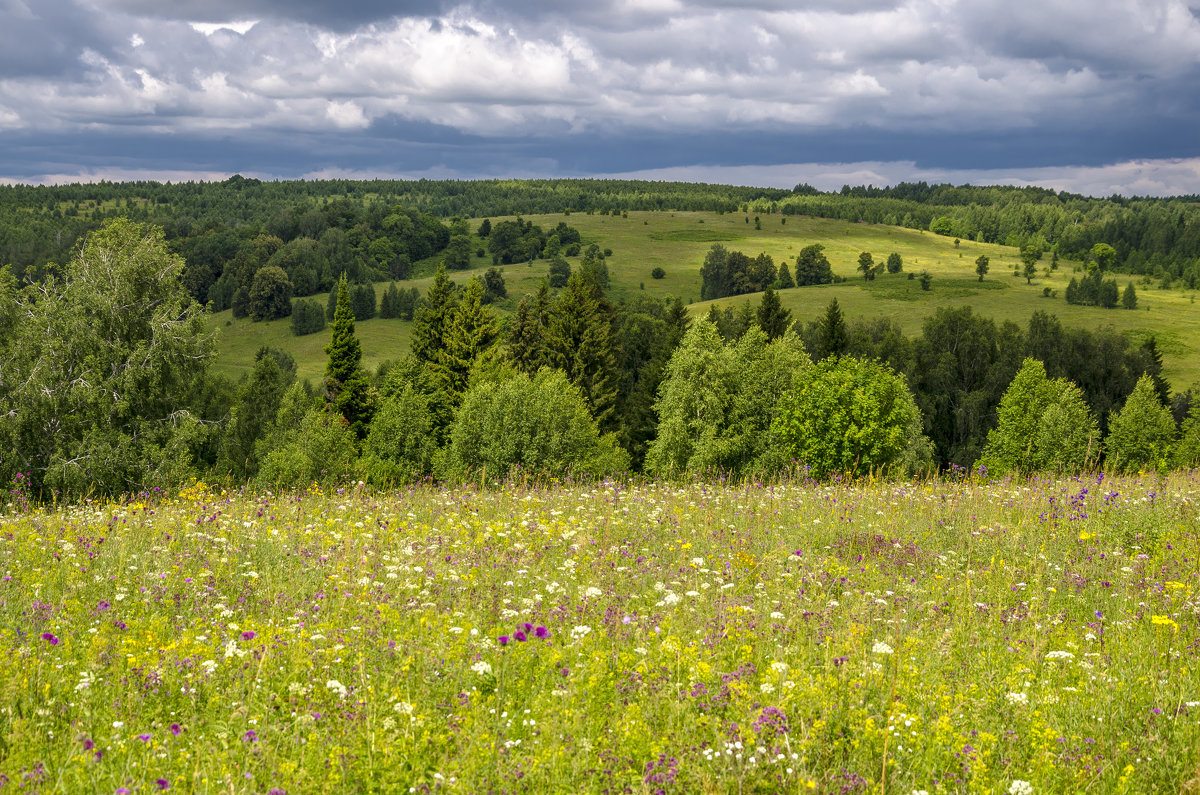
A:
779	667
777	616
881	648
592	592
1059	655
1019	787
336	687
482	668
580	631
1017	698
403	707
671	598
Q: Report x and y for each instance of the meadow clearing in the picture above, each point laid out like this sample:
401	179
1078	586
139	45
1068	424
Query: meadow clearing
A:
678	241
956	636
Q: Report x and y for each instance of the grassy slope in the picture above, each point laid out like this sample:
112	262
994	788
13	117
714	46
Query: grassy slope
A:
678	242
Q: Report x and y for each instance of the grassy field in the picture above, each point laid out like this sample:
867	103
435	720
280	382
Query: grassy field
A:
678	241
1002	636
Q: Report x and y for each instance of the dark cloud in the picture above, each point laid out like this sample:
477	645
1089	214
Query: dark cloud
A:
339	15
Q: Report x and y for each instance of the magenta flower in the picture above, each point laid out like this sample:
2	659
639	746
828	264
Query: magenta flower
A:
248	635
144	738
163	783
542	632
175	729
520	635
502	640
250	736
46	636
88	744
528	627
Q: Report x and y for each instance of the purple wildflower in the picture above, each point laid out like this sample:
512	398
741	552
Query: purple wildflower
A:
250	736
144	738
527	626
175	729
88	744
163	783
46	636
502	640
248	635
520	635
542	632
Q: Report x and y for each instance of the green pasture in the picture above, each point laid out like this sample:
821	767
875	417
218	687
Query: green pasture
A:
678	241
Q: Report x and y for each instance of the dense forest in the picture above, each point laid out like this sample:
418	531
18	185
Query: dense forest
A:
372	228
105	383
105	387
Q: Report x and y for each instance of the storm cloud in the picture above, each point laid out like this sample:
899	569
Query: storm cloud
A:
515	87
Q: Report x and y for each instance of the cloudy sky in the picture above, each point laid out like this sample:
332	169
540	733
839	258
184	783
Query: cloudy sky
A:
1098	96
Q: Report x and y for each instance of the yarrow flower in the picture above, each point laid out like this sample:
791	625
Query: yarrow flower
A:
482	668
881	648
337	687
1017	698
1060	655
1019	787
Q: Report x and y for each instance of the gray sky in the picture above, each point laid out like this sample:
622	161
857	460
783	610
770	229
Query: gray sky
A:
1097	97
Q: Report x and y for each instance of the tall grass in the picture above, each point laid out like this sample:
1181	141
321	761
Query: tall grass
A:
983	636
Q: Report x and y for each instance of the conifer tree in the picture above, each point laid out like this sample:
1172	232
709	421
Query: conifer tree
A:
785	277
472	329
527	335
580	344
346	386
431	322
833	340
1129	297
772	318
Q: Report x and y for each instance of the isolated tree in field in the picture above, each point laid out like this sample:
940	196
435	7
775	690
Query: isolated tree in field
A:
850	416
270	294
1030	255
866	264
433	319
894	263
1141	436
1129	297
812	266
99	366
772	318
347	388
981	265
540	425
1044	426
559	273
308	317
926	280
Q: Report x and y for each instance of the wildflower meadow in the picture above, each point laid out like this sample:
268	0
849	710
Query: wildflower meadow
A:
969	635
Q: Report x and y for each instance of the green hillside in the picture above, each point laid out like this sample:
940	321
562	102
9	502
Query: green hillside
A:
678	242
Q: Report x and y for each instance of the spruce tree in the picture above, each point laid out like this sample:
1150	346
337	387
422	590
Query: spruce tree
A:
1154	368
772	318
1129	297
527	335
785	277
433	319
346	385
833	338
580	344
472	329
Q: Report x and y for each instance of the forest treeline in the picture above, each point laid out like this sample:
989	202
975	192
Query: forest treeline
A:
105	387
212	224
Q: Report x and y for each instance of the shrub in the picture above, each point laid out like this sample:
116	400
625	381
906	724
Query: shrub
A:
657	273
